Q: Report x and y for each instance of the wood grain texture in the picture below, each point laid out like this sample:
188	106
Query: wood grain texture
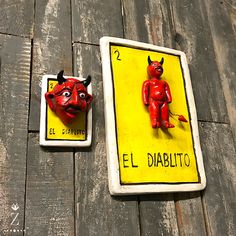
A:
93	19
49	190
190	215
219	16
158	215
231	6
16	17
98	213
52	49
148	21
193	36
220	164
14	98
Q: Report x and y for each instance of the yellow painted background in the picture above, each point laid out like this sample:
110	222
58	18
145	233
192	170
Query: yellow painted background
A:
53	122
134	132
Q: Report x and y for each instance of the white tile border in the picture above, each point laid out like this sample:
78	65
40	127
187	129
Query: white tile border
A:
64	143
111	145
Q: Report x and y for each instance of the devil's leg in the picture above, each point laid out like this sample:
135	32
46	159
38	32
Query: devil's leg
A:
165	116
154	112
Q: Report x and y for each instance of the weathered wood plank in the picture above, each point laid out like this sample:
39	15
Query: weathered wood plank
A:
224	39
16	17
97	212
15	55
220	164
190	214
52	50
231	5
158	216
193	36
93	19
148	21
50	190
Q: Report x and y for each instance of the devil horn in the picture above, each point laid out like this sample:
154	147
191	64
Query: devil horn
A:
149	60
162	61
87	81
60	77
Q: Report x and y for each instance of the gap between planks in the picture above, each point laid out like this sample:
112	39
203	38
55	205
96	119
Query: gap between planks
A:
16	35
84	43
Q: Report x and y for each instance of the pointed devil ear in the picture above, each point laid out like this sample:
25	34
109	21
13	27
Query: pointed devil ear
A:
60	77
149	60
87	81
162	61
49	99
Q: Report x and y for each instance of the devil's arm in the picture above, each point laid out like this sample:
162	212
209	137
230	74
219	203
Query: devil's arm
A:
168	94
145	92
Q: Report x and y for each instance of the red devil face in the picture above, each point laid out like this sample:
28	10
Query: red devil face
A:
69	97
155	68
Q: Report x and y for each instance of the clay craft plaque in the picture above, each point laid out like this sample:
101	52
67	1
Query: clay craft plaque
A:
143	159
53	132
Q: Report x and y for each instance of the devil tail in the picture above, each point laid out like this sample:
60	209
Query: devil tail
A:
180	117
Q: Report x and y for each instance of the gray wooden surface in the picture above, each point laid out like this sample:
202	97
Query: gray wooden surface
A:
64	191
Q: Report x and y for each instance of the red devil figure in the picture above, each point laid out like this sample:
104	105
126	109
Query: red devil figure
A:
68	97
156	95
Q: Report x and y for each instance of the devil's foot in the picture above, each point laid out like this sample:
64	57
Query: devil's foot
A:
154	123
167	124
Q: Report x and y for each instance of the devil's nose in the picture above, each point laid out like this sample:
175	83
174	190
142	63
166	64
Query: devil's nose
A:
74	97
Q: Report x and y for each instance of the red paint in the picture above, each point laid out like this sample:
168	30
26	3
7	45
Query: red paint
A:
156	95
68	97
182	118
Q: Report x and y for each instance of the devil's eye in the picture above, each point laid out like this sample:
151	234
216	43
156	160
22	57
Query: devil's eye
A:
66	94
82	95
